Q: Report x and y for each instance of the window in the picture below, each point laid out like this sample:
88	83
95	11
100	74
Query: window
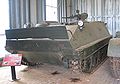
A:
4	16
51	10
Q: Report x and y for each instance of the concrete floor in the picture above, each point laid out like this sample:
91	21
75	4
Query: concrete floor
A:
42	75
39	75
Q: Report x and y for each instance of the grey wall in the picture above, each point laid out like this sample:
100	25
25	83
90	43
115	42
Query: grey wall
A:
62	10
33	11
25	11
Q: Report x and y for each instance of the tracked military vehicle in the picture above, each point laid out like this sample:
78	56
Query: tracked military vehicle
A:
79	46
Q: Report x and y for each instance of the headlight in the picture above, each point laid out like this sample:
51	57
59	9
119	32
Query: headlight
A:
80	23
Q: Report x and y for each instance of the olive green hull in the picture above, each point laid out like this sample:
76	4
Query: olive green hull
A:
67	45
40	57
89	57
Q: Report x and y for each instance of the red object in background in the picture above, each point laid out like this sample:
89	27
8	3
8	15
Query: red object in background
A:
0	64
12	60
1	59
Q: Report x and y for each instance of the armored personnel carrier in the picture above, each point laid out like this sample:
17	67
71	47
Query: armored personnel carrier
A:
79	46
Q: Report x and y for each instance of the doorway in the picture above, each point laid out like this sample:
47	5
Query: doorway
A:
4	16
4	23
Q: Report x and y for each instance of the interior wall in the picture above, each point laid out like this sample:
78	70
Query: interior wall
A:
33	11
26	11
100	10
64	10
